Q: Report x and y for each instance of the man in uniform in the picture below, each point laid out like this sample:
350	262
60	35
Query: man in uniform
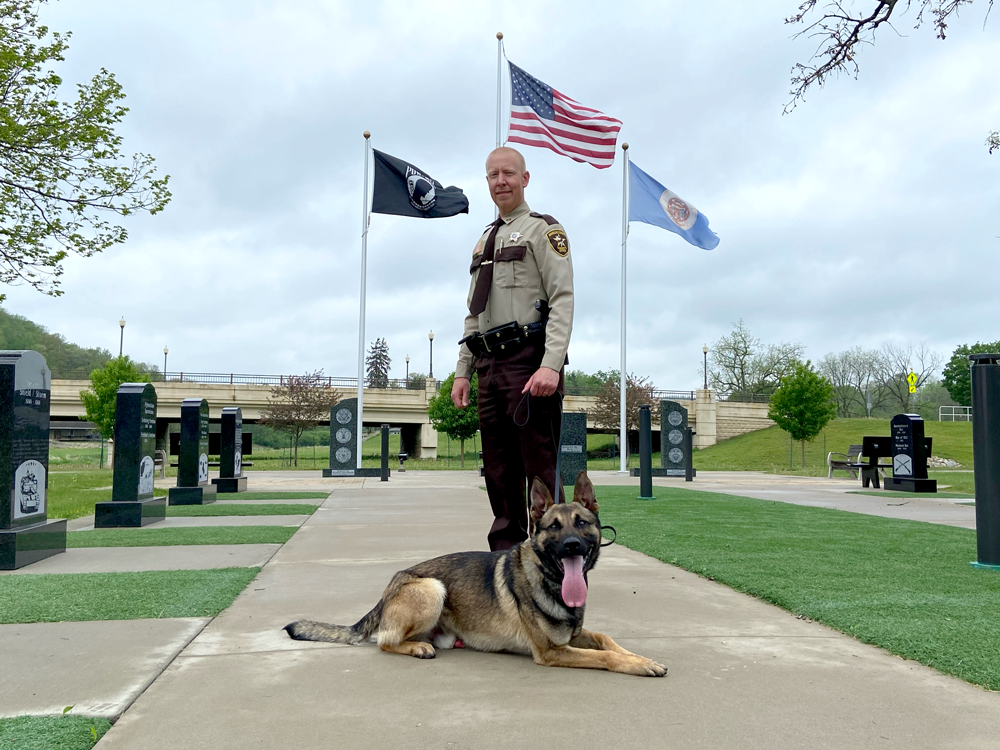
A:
516	337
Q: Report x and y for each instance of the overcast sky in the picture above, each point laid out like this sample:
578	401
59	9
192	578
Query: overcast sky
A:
869	214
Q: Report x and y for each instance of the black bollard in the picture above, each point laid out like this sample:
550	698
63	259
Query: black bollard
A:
688	454
986	456
645	455
385	453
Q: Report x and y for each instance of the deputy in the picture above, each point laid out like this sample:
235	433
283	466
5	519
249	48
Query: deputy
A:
516	338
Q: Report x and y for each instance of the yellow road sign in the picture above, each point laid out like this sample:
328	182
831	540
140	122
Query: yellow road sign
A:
912	380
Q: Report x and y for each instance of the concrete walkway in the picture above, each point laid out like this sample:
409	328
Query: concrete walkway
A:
743	674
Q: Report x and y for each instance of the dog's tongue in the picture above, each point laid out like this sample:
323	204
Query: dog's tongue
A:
574	588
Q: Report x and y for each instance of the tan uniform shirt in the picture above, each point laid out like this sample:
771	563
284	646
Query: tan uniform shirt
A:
532	262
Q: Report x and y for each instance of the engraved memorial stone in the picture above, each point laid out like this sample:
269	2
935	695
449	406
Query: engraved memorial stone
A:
343	439
673	454
344	442
231	477
909	456
132	502
573	458
193	487
26	534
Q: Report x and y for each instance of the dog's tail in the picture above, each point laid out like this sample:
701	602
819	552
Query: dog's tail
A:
359	632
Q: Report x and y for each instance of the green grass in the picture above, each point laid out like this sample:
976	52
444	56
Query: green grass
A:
232	509
51	732
767	450
955	481
171	537
904	586
75	597
72	493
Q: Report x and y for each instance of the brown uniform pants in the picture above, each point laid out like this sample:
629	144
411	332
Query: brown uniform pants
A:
520	436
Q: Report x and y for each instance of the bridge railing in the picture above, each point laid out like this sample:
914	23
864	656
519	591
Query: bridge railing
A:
233	378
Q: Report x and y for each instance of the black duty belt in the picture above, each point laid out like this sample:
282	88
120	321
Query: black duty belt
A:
504	340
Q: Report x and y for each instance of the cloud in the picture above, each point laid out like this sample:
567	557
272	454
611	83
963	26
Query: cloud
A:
868	214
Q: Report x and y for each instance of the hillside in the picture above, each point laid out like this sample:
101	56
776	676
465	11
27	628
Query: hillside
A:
17	332
768	450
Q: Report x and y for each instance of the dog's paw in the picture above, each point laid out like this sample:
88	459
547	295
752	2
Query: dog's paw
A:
423	651
652	669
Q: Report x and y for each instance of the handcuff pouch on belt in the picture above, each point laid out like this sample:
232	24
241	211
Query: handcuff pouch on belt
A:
503	341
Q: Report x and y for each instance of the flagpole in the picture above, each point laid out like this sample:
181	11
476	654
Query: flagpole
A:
623	452
361	319
499	79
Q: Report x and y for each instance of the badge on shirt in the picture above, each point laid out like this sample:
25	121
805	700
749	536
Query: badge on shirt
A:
558	241
515	236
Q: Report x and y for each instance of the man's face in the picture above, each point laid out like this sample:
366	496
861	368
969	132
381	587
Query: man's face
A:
507	180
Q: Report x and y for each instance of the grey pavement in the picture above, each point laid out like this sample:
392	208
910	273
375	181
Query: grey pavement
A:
743	674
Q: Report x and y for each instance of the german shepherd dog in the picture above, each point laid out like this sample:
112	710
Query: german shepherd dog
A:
529	599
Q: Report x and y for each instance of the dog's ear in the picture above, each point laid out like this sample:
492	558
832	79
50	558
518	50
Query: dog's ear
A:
541	499
583	493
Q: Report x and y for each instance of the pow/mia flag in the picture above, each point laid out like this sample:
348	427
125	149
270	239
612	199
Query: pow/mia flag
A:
404	190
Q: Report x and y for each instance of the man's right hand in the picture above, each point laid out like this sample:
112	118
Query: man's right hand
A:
460	393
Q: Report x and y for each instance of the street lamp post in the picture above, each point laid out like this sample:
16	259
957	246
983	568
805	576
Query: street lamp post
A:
166	351
704	351
121	341
407	370
430	337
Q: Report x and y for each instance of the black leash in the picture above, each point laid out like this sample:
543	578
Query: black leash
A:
526	402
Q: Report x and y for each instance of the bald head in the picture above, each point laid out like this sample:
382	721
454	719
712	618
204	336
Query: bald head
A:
507	178
507	151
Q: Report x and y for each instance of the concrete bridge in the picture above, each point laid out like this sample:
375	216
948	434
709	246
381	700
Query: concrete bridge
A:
405	408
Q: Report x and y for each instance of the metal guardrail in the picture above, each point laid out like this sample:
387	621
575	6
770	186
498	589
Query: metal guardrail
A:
954	414
230	378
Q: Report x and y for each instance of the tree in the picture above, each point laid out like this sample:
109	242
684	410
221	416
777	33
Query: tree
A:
101	401
607	409
842	33
297	404
741	369
898	361
957	376
417	381
62	172
803	404
458	424
377	364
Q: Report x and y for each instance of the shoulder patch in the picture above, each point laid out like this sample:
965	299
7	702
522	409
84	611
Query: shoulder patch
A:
479	248
550	220
558	242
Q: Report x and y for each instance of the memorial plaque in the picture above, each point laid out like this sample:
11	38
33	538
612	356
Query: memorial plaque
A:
132	502
343	439
231	477
573	458
673	452
26	535
193	487
909	455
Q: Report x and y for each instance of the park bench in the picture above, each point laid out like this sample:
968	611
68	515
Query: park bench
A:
160	463
850	462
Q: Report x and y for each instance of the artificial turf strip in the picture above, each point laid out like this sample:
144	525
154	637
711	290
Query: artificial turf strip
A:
905	586
178	536
232	509
914	495
273	496
51	732
76	597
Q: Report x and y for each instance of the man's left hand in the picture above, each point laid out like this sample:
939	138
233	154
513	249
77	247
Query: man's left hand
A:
543	383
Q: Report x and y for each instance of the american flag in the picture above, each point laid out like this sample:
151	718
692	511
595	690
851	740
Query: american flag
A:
541	116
